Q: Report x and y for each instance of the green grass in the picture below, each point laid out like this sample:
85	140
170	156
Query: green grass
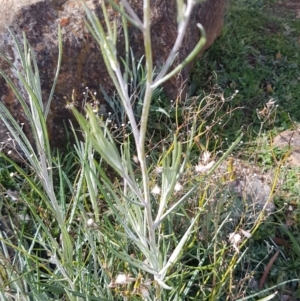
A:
258	55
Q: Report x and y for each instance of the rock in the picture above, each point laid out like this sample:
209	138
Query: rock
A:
290	140
247	191
252	194
82	65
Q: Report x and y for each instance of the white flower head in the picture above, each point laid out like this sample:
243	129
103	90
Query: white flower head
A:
53	259
90	222
246	233
204	165
235	239
135	159
200	168
123	279
270	103
156	190
205	157
158	170
177	187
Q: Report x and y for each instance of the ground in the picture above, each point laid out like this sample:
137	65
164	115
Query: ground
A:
292	6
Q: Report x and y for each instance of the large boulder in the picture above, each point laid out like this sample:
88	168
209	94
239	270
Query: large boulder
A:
82	65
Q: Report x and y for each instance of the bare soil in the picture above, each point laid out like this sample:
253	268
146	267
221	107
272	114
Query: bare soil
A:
291	7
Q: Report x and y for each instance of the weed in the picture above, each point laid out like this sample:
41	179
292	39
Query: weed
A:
140	210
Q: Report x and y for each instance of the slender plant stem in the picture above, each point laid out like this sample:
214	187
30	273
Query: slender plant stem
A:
128	106
187	60
144	120
181	32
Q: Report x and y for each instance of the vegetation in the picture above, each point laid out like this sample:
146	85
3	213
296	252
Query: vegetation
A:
126	214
